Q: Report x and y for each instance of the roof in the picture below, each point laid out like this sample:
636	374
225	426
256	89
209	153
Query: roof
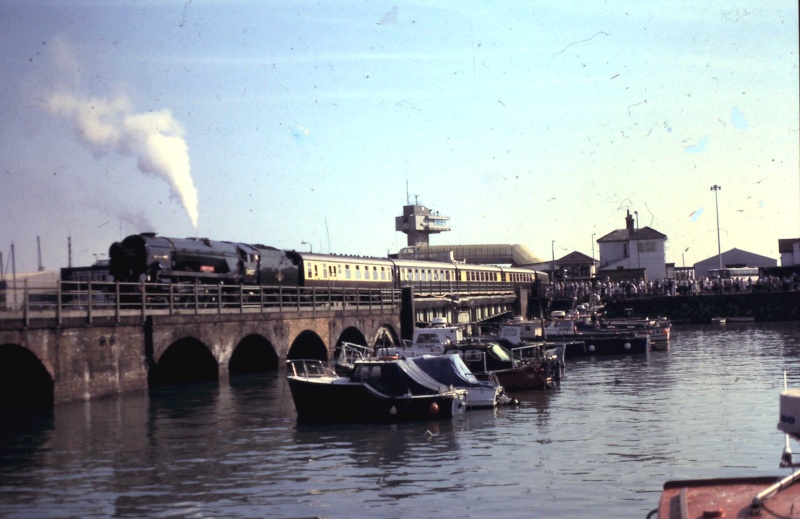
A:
645	233
515	253
787	244
737	256
575	257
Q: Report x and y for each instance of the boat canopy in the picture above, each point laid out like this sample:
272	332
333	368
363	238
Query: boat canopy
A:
396	377
447	369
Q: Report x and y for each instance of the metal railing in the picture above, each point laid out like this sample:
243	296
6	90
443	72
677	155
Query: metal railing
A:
94	299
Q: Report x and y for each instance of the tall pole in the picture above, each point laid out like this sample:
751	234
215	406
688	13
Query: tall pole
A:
638	261
14	274
715	188
591	269
553	252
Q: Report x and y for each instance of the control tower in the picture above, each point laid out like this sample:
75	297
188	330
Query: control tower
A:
419	222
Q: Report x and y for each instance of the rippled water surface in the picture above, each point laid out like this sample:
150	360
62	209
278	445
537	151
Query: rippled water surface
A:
601	445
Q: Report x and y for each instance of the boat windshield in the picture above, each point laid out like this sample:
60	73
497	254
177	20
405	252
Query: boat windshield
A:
498	352
428	338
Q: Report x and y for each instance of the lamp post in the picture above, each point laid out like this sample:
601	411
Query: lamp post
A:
310	245
591	269
638	261
553	252
715	188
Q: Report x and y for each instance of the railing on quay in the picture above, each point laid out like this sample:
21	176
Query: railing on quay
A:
88	300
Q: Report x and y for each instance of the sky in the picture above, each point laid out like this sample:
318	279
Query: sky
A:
309	125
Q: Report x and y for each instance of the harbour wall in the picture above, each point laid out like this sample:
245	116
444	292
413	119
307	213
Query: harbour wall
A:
760	306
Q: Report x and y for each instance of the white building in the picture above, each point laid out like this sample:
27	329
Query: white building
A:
634	249
790	251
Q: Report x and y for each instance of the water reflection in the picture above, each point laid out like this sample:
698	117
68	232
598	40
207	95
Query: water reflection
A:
616	428
24	435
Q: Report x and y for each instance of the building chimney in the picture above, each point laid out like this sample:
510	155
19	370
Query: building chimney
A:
629	223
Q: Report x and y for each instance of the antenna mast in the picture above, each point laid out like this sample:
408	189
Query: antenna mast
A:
39	253
328	233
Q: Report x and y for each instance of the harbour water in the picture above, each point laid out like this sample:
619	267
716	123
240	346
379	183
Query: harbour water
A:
600	446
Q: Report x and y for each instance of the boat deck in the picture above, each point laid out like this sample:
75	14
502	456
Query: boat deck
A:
728	498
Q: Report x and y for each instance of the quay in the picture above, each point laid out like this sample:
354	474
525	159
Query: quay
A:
702	308
63	345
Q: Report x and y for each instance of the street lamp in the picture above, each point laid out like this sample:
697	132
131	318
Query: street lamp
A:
638	261
310	245
553	252
715	188
591	268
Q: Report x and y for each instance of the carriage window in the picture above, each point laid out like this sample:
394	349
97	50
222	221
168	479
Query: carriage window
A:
309	271
325	270
316	270
383	272
358	272
366	272
347	271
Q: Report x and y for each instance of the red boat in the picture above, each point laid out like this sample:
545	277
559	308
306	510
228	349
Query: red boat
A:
745	496
733	497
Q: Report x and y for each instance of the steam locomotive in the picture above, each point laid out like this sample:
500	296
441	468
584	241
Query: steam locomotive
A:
147	257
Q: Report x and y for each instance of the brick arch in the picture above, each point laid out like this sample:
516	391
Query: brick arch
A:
385	334
308	345
254	353
25	382
185	360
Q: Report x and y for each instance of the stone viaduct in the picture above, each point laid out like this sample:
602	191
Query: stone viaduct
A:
50	356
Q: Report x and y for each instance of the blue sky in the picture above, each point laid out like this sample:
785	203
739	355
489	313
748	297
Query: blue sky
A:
289	122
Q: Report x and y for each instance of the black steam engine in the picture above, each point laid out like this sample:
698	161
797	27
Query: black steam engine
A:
155	259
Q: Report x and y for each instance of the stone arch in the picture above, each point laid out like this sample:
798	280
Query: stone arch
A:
253	354
385	337
24	381
350	334
185	360
308	345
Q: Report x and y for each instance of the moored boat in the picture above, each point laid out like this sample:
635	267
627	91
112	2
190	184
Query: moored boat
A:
377	390
583	337
537	369
451	371
757	496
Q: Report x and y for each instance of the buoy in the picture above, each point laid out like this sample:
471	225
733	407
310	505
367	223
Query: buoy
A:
627	345
434	408
591	347
393	410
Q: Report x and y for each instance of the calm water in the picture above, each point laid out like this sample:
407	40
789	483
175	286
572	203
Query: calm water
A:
602	445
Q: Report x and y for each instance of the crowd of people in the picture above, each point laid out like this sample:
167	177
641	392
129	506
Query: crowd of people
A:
608	289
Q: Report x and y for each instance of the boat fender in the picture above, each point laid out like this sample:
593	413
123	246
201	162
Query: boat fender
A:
627	345
393	410
434	408
591	347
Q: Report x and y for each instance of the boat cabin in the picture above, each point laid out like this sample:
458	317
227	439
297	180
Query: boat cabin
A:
518	331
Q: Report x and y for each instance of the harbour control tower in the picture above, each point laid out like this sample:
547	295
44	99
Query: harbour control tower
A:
419	222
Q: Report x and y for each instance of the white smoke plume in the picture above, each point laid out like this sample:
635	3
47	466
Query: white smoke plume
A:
155	139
